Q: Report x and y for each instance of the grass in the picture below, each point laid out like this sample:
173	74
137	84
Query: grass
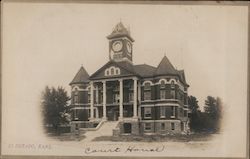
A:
67	137
156	138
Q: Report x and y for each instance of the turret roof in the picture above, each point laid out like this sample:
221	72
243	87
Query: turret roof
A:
82	76
120	30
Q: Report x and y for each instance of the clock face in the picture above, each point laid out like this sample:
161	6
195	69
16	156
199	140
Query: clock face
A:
129	47
117	46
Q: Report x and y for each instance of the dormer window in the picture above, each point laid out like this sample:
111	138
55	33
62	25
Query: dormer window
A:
112	71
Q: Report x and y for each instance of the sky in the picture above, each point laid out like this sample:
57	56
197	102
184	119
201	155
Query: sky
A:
46	44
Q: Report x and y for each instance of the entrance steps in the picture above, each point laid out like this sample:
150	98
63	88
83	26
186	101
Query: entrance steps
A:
106	129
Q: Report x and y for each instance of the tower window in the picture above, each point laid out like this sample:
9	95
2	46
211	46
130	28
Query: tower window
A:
172	84
75	98
172	92
162	94
162	84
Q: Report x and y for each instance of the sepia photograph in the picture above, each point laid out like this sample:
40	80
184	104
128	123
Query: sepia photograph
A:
124	79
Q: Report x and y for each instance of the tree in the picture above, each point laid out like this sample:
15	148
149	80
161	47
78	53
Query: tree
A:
55	107
195	122
193	104
211	107
213	110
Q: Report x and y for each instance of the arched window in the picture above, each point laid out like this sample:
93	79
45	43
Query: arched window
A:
162	84
147	86
75	98
147	91
172	84
112	71
107	72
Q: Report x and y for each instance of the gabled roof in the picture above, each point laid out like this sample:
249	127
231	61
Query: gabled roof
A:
144	70
165	68
82	76
119	31
127	66
182	76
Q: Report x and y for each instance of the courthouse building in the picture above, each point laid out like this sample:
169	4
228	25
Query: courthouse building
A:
139	99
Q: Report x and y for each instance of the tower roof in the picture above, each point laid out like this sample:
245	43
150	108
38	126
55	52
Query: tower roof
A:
165	67
120	30
81	76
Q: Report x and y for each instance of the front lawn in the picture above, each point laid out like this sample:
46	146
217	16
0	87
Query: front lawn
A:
67	137
157	138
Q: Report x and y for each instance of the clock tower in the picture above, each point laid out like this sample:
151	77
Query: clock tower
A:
120	44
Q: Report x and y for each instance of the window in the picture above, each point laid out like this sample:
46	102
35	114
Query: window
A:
172	112
147	126
172	84
88	113
172	93
76	114
163	112
162	94
172	126
101	98
75	97
147	86
89	95
112	71
147	95
185	113
147	112
162	126
131	96
162	84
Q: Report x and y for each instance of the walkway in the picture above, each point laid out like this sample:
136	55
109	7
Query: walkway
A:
106	129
